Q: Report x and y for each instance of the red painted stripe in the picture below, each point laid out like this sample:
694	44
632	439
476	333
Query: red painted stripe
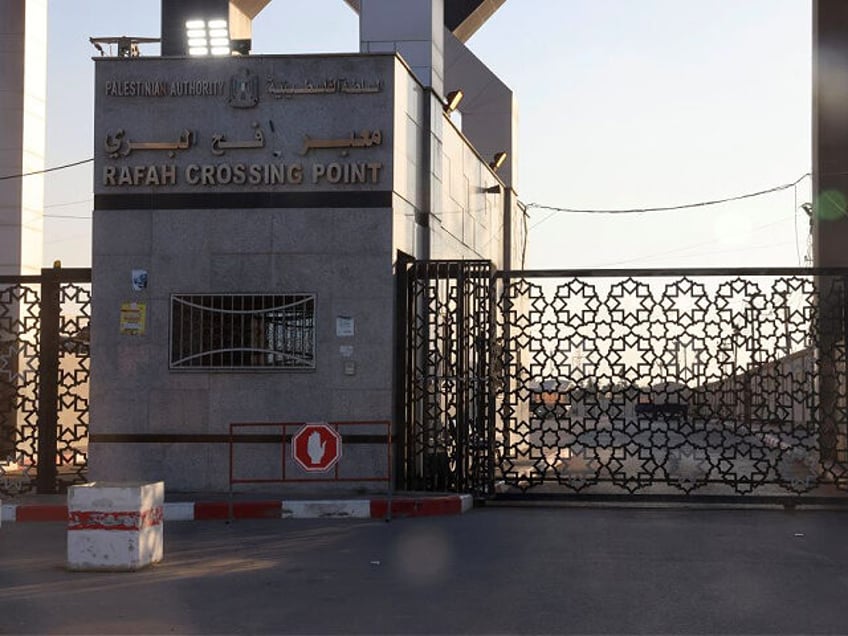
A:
122	520
39	512
241	510
417	507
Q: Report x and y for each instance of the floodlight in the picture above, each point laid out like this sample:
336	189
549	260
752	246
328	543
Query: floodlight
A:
453	99
498	160
207	36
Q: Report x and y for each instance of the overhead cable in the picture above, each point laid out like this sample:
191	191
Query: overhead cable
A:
34	172
685	206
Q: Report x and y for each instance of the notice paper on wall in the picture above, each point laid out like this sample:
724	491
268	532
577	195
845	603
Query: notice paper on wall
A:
133	319
344	326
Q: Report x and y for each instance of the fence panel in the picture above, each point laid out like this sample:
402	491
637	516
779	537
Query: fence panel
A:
44	376
722	383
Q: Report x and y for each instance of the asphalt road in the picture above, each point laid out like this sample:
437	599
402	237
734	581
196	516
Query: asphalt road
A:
492	570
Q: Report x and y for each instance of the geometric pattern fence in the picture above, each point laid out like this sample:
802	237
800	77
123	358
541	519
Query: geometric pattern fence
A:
44	379
717	382
654	383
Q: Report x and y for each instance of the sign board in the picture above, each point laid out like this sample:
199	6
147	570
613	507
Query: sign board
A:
244	124
316	447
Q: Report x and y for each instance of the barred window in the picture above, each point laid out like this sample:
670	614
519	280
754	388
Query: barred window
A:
237	331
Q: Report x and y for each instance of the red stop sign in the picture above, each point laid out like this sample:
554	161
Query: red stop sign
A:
316	447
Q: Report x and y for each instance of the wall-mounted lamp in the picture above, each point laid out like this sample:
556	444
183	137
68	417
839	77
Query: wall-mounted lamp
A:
452	101
498	161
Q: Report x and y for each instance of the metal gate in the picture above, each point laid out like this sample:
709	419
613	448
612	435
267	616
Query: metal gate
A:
443	371
44	373
725	384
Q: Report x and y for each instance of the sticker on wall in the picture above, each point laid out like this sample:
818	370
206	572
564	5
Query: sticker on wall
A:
139	279
133	319
346	351
344	326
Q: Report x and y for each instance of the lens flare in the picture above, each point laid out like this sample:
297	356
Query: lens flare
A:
830	205
423	555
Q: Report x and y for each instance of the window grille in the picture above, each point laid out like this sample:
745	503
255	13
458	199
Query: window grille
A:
238	331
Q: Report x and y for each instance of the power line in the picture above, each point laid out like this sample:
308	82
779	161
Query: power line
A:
62	167
685	206
795	223
67	203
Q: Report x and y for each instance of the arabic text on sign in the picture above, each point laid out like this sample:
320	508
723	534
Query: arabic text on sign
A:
285	89
220	144
118	146
365	139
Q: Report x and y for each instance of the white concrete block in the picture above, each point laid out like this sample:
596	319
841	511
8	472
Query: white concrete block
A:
115	525
360	509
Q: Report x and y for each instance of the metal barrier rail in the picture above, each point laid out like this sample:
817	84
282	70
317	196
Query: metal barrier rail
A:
284	438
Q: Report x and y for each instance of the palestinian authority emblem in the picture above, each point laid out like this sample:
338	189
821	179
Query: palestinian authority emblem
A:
244	90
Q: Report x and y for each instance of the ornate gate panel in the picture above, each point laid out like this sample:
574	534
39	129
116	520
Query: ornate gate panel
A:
44	372
669	384
443	375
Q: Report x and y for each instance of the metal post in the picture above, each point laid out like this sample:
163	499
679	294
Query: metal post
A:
48	381
400	376
491	407
461	386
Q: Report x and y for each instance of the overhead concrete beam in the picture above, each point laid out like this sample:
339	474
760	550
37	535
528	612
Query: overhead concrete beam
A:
462	17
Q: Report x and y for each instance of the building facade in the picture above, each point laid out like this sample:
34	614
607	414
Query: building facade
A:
249	214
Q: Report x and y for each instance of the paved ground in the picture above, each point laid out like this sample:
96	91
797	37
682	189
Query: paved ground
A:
492	570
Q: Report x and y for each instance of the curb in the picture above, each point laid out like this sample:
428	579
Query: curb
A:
269	509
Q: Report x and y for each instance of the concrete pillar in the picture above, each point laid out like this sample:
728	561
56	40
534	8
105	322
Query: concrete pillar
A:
413	28
830	215
23	89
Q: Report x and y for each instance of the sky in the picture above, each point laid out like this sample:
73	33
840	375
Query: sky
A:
623	104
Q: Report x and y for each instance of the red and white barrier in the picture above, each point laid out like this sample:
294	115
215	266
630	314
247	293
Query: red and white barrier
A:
402	506
115	526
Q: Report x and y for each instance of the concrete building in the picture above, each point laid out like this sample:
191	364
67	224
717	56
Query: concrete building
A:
23	90
249	212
